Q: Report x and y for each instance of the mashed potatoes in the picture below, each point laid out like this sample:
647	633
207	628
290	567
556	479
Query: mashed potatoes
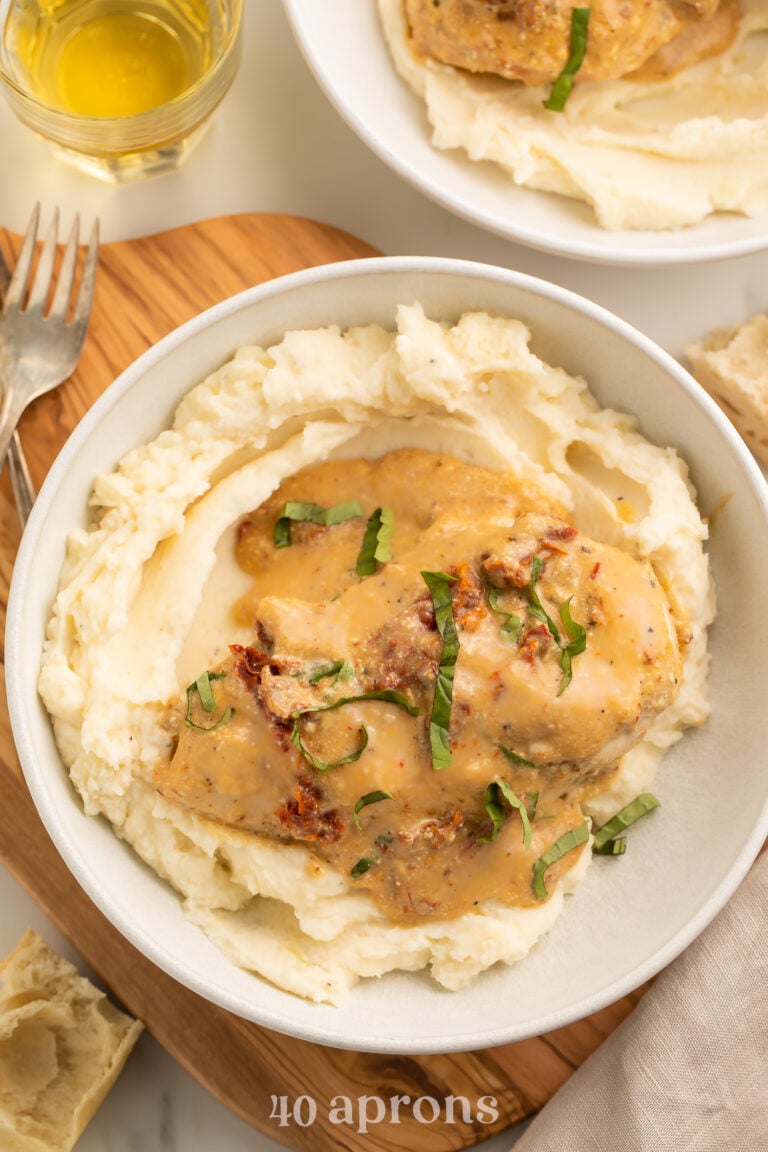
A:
645	154
147	589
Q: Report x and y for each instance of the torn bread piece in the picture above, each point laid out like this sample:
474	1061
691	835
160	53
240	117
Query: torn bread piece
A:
732	364
62	1046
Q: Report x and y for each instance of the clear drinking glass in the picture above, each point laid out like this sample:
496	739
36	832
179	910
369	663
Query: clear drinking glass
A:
121	88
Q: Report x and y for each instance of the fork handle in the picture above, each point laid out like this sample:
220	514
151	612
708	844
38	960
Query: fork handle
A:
11	411
21	481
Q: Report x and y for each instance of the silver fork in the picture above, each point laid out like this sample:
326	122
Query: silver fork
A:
37	351
21	481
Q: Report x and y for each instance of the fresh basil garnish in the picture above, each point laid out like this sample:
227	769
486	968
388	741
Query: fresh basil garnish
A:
512	624
388	695
378	535
615	847
631	812
439	584
204	690
295	510
576	633
323	765
202	686
561	89
570	840
535	606
532	804
497	792
515	758
369	798
338	669
361	867
575	646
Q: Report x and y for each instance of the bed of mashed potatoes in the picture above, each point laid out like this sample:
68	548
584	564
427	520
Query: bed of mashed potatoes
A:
651	154
147	587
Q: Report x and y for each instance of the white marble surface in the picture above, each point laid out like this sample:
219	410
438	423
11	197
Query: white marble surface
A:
277	145
155	1106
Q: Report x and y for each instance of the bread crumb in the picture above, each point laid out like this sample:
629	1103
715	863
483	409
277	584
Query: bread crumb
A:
732	365
62	1046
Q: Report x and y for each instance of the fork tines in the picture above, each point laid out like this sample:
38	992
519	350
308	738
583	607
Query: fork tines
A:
38	294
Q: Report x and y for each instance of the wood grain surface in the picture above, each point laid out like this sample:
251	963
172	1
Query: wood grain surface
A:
145	288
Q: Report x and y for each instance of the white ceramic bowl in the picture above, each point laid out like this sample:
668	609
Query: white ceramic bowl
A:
629	917
343	45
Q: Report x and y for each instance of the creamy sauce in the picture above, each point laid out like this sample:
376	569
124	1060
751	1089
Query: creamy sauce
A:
430	848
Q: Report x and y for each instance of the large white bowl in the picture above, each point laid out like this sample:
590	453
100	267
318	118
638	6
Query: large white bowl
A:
344	47
631	916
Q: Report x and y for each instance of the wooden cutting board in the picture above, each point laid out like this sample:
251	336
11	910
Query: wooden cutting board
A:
145	288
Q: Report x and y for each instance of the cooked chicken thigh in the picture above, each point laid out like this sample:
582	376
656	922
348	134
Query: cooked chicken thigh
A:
529	40
566	651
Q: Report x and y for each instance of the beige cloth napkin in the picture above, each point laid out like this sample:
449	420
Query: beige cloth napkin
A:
688	1070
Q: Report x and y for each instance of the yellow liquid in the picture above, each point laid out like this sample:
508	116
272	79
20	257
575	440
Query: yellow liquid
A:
109	58
119	65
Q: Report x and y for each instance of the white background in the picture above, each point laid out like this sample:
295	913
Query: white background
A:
277	145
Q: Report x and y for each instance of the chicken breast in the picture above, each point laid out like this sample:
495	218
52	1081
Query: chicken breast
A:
529	40
323	731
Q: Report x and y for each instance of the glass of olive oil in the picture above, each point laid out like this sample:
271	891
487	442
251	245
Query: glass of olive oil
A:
121	88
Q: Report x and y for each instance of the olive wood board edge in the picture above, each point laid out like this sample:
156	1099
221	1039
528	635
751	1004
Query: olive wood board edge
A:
145	288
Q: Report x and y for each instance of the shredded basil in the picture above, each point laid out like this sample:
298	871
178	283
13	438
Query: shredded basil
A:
561	89
294	510
205	694
535	606
338	513
570	840
512	625
388	695
204	690
369	798
439	584
631	812
323	765
225	717
575	646
361	867
515	758
532	804
615	847
576	633
339	669
378	535
496	792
